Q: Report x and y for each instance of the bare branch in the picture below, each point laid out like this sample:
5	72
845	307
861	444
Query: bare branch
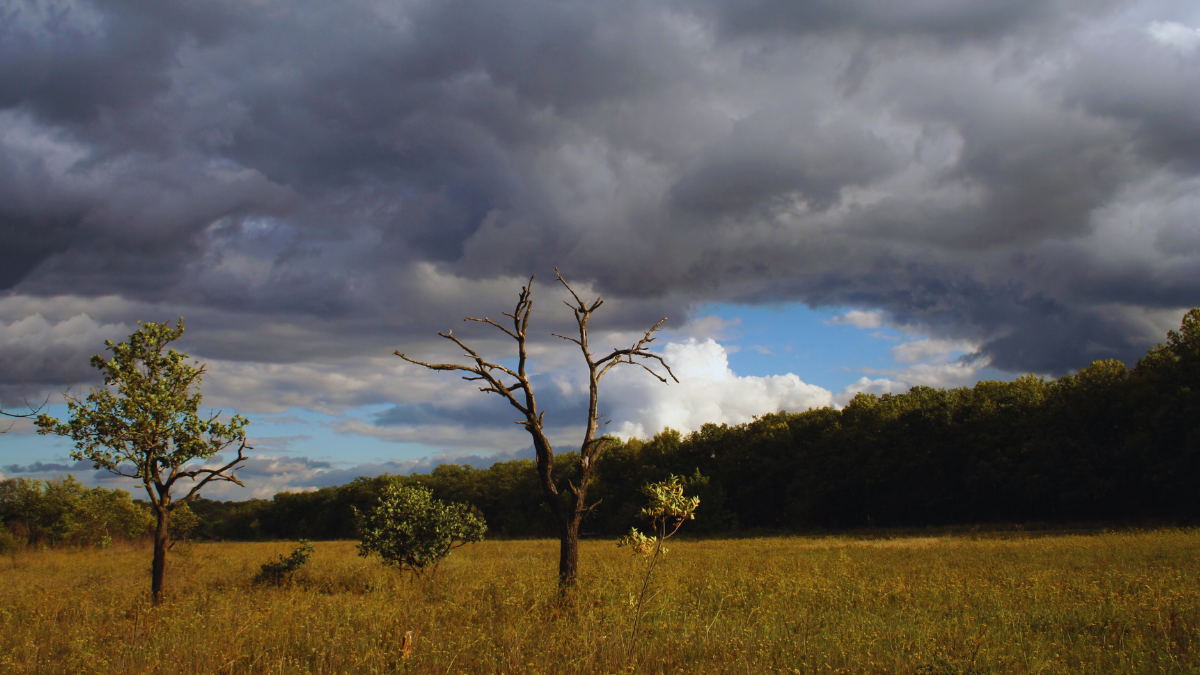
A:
33	412
569	339
578	301
469	352
493	323
638	350
602	439
437	366
214	474
650	370
646	355
117	471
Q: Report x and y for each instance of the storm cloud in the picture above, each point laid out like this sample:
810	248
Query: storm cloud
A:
311	183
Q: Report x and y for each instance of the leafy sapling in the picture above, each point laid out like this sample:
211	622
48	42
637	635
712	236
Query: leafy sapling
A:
411	530
667	508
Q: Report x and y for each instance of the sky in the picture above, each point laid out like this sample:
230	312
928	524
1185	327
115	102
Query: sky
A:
821	197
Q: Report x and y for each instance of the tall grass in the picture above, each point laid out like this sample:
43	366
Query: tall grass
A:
1102	603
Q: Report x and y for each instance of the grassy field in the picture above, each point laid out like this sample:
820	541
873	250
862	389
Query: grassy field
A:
1016	603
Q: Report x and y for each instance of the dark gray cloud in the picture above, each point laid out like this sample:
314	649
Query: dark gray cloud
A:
72	62
776	153
313	181
1152	87
945	19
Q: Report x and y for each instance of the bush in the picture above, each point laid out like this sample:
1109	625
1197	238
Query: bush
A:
10	544
281	571
411	530
183	523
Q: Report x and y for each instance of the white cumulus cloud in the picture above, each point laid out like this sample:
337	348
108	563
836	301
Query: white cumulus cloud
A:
948	374
708	391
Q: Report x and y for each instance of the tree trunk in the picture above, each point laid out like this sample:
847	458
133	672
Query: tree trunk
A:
568	553
158	570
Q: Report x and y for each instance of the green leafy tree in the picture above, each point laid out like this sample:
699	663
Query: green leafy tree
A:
411	530
145	425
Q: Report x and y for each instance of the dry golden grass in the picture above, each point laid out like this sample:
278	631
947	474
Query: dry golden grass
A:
1108	603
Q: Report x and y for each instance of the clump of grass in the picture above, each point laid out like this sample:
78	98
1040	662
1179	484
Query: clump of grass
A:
1104	603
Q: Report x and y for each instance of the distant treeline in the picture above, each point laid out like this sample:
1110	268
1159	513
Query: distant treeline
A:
62	511
1109	443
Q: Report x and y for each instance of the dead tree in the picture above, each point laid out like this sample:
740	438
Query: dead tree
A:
569	505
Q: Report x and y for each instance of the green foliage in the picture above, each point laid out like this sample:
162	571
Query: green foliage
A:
62	511
47	512
183	523
281	571
411	530
667	509
150	424
10	544
115	514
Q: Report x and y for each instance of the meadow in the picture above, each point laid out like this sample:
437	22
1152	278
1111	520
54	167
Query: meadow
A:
1009	602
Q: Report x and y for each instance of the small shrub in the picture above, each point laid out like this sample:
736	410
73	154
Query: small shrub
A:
281	571
667	508
10	544
411	530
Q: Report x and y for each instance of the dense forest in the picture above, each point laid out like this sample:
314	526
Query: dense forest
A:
1109	444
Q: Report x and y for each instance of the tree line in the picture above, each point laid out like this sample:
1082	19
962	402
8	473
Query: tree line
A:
1109	443
63	512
